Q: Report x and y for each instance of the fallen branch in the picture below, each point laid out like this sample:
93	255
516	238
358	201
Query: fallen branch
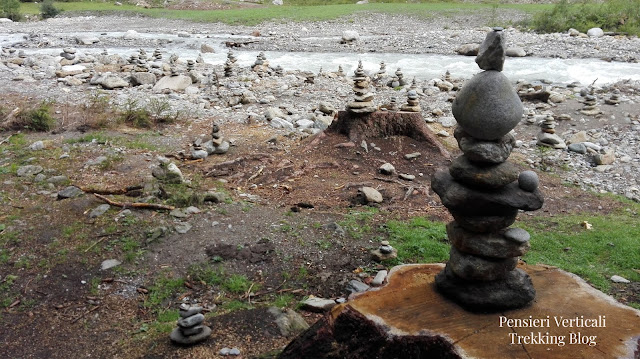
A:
256	174
217	167
6	139
110	190
135	204
408	193
104	236
85	313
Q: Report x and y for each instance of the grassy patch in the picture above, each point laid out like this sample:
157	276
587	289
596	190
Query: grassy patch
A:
610	247
284	300
238	284
358	222
164	288
419	240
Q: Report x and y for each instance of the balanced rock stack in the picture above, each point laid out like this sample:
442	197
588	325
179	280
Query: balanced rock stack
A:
191	65
412	105
157	54
217	145
231	57
400	76
547	136
383	69
190	329
228	68
68	53
364	99
143	54
614	99
340	71
590	105
484	192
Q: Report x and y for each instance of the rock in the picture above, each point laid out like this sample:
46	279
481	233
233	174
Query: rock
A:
111	82
87	39
350	36
371	195
177	336
528	181
482	176
70	192
289	322
326	108
186	310
619	279
99	211
198	154
278	122
273	112
318	305
487	107
173	83
236	351
606	158
36	146
387	169
183	227
191	321
143	78
485	151
573	32
474	268
131	35
595	32
207	49
109	263
406	176
468	49
278	2
491	53
215	197
578	148
28	170
515	52
58	179
500	244
356	286
550	139
335	228
410	156
447	121
379	278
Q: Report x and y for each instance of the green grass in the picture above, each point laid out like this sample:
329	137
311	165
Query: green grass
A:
141	141
238	284
611	247
299	10
419	240
358	222
284	300
163	289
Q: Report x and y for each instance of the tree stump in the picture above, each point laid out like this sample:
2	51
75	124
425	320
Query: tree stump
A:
382	124
409	319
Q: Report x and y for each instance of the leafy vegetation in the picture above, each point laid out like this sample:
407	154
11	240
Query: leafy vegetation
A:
48	10
36	119
419	240
10	9
613	15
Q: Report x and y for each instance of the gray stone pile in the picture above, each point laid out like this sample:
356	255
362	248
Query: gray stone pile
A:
279	71
363	102
413	104
68	55
157	55
591	105
614	98
340	71
484	192
547	135
191	65
191	329
400	77
228	68
384	252
383	69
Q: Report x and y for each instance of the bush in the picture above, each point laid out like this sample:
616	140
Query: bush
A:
48	10
37	119
10	9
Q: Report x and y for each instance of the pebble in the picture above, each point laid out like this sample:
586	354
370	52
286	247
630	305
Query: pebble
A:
387	169
619	279
316	304
99	211
379	278
109	263
528	181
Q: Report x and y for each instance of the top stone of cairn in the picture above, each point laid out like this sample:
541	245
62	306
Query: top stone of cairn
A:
491	52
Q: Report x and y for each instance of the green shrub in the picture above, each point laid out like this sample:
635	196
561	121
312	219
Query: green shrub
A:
37	119
10	9
48	10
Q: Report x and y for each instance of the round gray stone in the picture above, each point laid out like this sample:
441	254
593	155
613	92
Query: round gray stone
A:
528	181
485	151
177	336
470	267
578	148
487	107
492	245
517	235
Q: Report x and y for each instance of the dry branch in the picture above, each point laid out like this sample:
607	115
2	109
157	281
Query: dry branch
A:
135	204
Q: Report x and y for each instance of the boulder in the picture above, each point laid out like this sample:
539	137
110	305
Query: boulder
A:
143	78
173	83
595	32
468	49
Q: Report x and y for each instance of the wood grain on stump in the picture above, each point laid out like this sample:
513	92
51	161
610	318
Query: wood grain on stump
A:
409	319
382	124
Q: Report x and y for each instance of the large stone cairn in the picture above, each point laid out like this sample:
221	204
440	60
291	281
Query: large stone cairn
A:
190	329
484	192
364	99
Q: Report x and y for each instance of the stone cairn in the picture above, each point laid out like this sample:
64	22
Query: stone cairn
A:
384	252
173	59
143	54
217	145
157	55
591	105
199	59
191	65
414	85
341	71
279	71
68	53
228	68
412	105
614	99
400	77
483	192
547	136
364	99
190	329
383	69
231	57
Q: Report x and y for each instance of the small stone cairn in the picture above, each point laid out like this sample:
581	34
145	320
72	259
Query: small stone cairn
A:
341	71
413	104
384	252
157	55
279	71
414	85
142	54
400	77
191	65
68	53
483	192
591	105
547	136
364	99
190	329
383	69
217	145
231	57
228	68
173	59
614	99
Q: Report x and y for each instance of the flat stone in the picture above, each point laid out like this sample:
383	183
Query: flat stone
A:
28	170
379	278
470	267
278	122
57	179
578	148
177	336
492	245
173	83
484	151
406	177
188	310
191	321
371	195
515	51
517	235
289	322
528	181
619	279
109	263
492	51
482	176
485	224
410	156
487	107
143	78
356	286
70	192
318	305
381	255
193	330
606	158
99	211
549	138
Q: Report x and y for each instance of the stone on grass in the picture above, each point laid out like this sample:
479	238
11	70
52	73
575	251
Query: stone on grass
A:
99	211
28	170
315	304
70	192
109	263
619	279
371	195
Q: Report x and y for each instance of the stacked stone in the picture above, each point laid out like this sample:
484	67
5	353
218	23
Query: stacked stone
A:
341	71
259	59
364	99
384	252
279	71
199	59
228	68
174	71
173	59
412	105
590	105
447	76
393	104
190	329
400	77
217	145
157	54
414	85
547	136
104	52
143	54
133	59
191	65
483	192
68	53
231	57
614	99
383	69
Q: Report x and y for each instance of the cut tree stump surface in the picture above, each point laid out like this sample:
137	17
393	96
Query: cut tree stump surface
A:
410	307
